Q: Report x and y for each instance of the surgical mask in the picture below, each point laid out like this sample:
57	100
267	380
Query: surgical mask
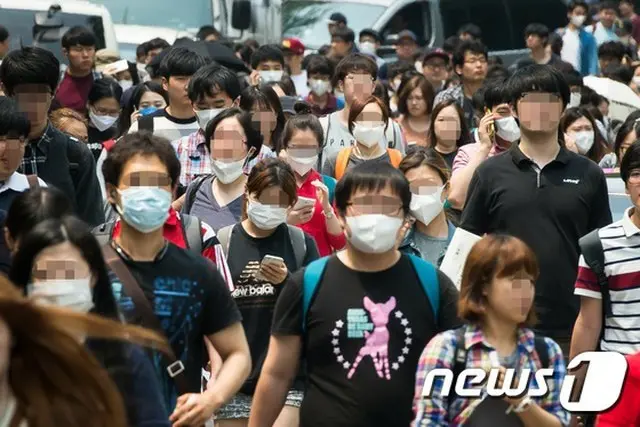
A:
578	20
302	165
148	110
373	233
368	136
368	48
102	123
636	80
575	99
425	207
584	141
319	87
144	208
125	84
227	172
266	217
508	129
271	76
74	294
205	116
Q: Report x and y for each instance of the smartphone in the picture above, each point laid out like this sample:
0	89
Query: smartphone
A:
116	67
272	259
492	127
304	202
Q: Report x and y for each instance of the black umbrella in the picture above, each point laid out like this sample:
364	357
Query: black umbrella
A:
218	52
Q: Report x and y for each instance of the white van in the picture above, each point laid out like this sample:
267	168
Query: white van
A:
43	23
130	36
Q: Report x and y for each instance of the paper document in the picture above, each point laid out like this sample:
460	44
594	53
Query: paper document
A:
457	253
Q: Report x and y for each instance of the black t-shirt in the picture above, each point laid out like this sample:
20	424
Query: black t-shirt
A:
449	158
256	299
190	299
364	335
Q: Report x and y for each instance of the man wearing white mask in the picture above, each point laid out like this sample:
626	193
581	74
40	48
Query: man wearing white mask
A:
368	43
497	131
579	47
268	64
212	89
360	330
321	98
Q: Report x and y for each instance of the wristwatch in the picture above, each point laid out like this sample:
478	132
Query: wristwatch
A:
523	405
328	214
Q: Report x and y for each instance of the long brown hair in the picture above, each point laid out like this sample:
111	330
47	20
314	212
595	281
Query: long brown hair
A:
54	379
465	135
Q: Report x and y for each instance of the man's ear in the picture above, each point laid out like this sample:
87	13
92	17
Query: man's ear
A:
165	84
65	52
112	194
457	69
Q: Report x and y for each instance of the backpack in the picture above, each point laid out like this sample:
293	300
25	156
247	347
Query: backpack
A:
296	235
344	155
427	275
191	227
593	253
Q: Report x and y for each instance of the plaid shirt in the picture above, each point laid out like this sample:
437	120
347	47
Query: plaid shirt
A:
35	153
439	354
193	156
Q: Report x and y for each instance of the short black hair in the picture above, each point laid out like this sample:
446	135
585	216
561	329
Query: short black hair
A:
206	31
156	43
451	44
538	78
105	87
473	46
320	64
4	34
141	50
78	36
181	61
497	71
345	34
267	52
612	49
254	137
29	66
495	93
537	29
472	29
370	32
211	79
578	3
140	143
609	5
618	72
355	62
399	68
13	122
630	161
573	78
372	177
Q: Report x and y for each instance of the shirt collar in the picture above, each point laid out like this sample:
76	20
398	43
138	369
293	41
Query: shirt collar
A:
474	336
519	157
43	142
17	182
630	229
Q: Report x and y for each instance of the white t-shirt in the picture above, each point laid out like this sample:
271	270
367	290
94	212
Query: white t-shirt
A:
571	48
300	81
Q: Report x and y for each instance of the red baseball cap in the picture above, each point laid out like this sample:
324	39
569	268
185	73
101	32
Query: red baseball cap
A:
294	45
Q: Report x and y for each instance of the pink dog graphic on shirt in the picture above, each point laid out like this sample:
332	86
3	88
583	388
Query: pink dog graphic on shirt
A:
377	341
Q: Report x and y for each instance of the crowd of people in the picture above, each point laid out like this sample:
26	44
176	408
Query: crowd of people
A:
256	241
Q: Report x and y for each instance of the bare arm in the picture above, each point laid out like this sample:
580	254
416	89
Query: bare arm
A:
536	416
586	333
278	371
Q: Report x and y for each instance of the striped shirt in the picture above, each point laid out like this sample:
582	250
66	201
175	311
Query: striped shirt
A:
440	354
620	241
169	127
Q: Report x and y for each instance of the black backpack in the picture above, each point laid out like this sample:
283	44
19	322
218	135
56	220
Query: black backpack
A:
593	253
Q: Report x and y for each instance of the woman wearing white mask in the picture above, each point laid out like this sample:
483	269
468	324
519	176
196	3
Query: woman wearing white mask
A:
581	134
415	102
59	262
428	177
313	213
448	130
231	141
263	252
368	121
103	108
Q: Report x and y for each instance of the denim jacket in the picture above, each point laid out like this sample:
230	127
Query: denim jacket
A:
408	245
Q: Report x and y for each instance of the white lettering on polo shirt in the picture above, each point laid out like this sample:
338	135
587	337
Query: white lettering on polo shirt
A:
571	181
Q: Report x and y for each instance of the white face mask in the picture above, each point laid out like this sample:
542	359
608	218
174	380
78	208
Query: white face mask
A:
74	294
368	48
302	165
102	123
574	100
508	129
319	87
125	84
368	136
584	141
578	20
227	172
271	75
266	217
373	233
425	207
205	116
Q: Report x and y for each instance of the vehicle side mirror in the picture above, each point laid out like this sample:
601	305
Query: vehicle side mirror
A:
49	19
241	15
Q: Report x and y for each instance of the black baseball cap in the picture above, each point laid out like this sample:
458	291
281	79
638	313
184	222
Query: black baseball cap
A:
371	32
407	34
338	18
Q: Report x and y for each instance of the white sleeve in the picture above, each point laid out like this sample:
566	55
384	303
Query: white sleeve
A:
99	162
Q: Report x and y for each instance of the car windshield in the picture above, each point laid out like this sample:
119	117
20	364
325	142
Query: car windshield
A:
307	20
20	24
160	13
